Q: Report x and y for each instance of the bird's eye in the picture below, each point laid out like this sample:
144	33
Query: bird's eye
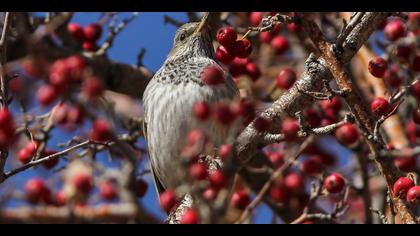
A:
182	37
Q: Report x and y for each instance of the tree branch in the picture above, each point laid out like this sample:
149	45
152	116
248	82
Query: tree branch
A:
357	105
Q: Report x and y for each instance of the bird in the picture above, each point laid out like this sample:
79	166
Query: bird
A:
169	98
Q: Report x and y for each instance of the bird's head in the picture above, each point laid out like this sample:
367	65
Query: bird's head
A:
192	40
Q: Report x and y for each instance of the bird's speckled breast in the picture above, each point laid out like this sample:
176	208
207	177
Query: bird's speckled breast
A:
168	102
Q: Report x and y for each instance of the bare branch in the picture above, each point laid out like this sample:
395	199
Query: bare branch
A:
113	34
261	194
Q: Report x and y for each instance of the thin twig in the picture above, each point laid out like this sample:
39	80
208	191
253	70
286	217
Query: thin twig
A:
113	32
169	20
48	158
289	162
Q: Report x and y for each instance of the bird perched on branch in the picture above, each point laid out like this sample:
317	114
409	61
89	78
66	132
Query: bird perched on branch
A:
169	99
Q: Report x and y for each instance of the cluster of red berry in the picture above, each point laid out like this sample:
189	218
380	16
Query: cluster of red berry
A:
87	35
65	72
198	171
405	188
37	191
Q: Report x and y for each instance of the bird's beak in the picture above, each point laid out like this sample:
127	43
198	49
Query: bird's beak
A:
203	23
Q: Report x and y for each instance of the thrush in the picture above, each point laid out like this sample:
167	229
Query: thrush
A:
169	99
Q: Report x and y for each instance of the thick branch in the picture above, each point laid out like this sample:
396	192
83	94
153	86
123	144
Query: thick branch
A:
293	101
357	105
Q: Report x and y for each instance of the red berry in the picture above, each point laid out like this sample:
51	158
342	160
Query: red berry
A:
334	104
377	67
312	165
279	44
276	29
141	188
286	78
413	195
101	131
82	182
276	158
198	171
217	180
223	55
392	78
253	71
242	48
190	216
195	136
59	113
414	17
75	115
167	200
25	155
347	134
406	164
290	129
394	30
210	194
266	37
293	27
46	94
246	109
36	191
88	46
312	117
6	119
76	31
334	183
93	87
238	66
213	75
226	36
224	114
240	199
60	74
262	124
225	151
279	193
413	131
331	115
108	190
401	187
255	18
379	106
202	110
416	116
415	90
60	198
294	182
77	65
92	32
51	162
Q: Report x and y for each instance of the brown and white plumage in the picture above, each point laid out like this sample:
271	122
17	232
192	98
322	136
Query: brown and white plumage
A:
169	98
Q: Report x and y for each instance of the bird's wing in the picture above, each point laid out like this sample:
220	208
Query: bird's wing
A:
158	185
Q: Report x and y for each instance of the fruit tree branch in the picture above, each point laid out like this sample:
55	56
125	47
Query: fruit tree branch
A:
357	105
